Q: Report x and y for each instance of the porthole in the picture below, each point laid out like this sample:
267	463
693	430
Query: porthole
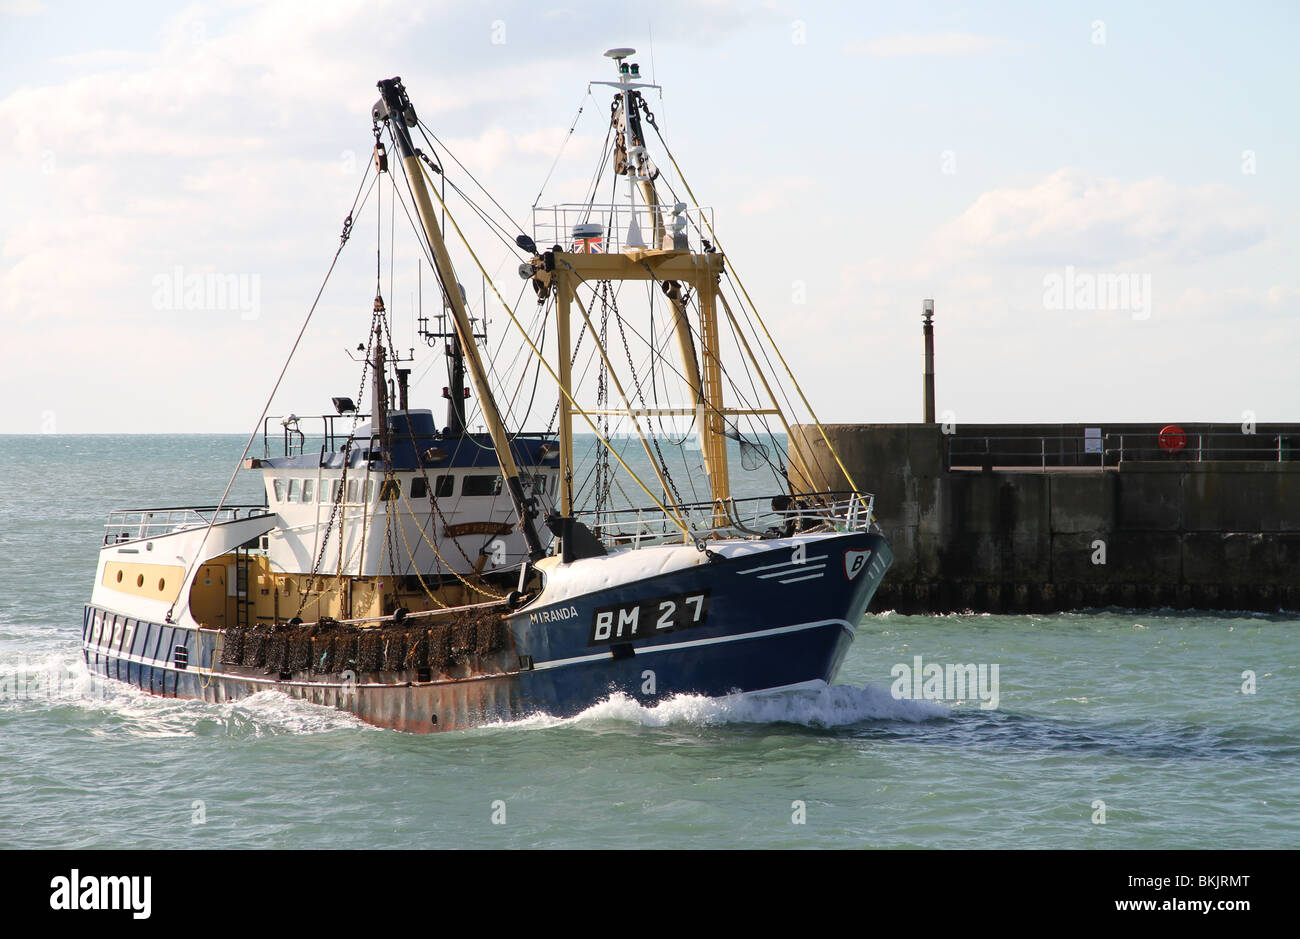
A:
119	577
162	582
139	580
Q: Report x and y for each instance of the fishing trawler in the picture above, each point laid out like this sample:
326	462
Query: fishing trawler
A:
429	578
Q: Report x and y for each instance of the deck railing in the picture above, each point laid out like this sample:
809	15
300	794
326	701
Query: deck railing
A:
672	226
136	524
737	518
289	434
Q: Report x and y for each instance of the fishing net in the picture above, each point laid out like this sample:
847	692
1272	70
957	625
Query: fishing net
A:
752	455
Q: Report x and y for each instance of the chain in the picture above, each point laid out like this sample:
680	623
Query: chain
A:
385	490
433	501
337	506
604	478
438	555
414	567
640	394
645	109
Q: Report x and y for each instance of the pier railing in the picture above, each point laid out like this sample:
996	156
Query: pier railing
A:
137	524
1043	452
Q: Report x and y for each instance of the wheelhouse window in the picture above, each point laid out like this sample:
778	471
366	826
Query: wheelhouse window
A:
352	492
481	486
390	489
370	490
295	490
309	490
444	487
279	489
335	486
539	484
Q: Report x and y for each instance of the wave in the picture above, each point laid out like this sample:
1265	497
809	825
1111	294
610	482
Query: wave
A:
59	680
835	706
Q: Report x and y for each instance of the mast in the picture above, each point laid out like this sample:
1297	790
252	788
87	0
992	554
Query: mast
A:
703	376
379	387
394	109
456	391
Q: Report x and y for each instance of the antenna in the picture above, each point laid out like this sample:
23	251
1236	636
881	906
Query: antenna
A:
422	323
650	28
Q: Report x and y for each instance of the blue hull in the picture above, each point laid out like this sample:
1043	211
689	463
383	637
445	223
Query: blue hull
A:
771	623
742	623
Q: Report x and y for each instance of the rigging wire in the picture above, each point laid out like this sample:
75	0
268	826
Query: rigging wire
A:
698	334
492	358
565	391
759	318
426	133
343	240
563	144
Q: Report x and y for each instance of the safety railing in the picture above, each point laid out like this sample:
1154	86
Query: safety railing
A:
137	524
1043	452
607	228
755	517
288	435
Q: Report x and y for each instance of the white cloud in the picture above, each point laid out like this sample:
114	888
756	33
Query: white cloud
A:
1073	217
233	138
231	143
986	267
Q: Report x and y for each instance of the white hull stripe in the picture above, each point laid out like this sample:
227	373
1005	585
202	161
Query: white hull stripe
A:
795	580
208	674
768	567
793	570
674	646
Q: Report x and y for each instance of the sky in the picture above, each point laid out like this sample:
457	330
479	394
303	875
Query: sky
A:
1100	197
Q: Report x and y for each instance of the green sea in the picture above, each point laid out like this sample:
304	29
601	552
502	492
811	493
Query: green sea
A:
1113	728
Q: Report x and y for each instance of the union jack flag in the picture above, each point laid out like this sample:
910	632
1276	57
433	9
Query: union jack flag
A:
588	245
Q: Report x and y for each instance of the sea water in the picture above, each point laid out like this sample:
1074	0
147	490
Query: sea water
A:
1113	729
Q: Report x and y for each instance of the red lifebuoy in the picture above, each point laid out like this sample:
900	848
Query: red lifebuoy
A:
1172	439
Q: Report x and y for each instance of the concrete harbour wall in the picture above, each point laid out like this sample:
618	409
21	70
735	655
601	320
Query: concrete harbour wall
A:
1152	532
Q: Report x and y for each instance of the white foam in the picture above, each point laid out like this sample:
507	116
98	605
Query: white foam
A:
835	706
63	680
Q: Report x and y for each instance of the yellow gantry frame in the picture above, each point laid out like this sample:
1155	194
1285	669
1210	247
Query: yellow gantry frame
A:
701	271
567	401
